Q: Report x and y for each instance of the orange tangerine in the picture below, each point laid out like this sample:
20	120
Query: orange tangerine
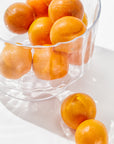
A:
61	8
15	61
66	29
77	108
18	17
40	8
49	65
91	132
39	31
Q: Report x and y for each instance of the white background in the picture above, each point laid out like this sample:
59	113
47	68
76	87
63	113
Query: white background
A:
105	35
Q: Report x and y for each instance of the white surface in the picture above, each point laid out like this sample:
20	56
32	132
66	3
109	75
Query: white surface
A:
26	123
15	130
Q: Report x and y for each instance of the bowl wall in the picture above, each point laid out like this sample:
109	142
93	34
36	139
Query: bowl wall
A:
59	65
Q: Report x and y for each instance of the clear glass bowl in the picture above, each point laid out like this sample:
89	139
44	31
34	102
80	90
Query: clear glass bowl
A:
64	70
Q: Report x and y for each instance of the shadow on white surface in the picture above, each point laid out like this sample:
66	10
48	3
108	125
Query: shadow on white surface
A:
98	82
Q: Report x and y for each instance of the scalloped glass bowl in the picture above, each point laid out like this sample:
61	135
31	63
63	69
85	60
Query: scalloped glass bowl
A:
31	88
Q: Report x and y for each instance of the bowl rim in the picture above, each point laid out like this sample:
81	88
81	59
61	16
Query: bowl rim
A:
59	43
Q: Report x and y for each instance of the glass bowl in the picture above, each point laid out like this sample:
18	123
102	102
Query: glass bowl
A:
59	66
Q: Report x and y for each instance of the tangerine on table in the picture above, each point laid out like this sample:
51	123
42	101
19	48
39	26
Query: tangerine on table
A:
15	61
39	31
61	8
49	65
77	108
66	29
91	132
18	17
39	6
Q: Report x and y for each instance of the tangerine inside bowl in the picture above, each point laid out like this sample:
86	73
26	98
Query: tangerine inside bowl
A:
39	71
